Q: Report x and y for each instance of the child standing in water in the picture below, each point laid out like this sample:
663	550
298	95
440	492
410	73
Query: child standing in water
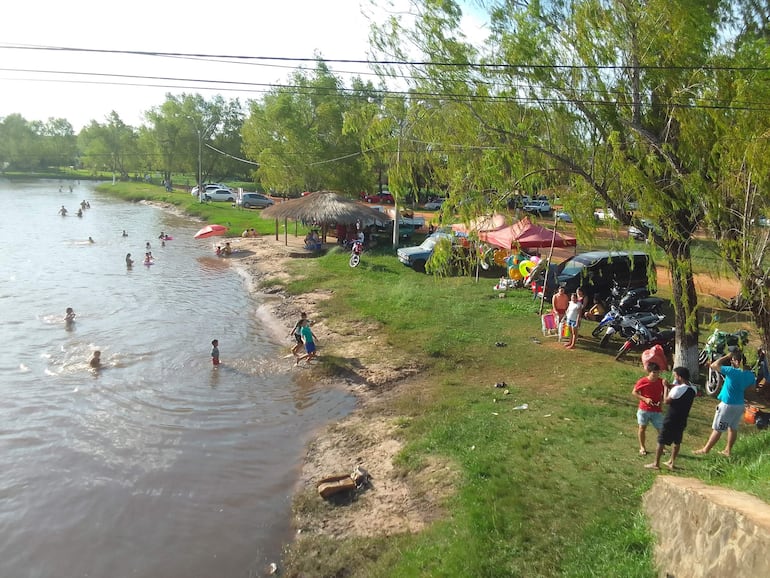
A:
309	338
215	352
297	334
96	360
69	315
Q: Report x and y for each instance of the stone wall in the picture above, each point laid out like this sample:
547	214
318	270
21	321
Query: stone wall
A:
707	531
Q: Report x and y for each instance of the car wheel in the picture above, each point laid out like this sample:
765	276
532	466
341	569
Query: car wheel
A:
230	199
246	205
419	266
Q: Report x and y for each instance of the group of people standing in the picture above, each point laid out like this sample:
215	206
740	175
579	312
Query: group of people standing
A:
653	392
567	311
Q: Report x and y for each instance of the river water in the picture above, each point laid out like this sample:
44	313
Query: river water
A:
157	465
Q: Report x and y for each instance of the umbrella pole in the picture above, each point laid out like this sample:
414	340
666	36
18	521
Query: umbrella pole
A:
286	232
548	262
276	229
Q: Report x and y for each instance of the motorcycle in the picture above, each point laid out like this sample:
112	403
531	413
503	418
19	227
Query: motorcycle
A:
717	345
614	321
646	337
635	300
355	253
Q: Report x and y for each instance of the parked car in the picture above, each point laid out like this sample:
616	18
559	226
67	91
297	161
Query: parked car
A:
255	200
434	205
539	206
564	216
604	215
596	272
219	195
644	229
209	187
383	197
416	257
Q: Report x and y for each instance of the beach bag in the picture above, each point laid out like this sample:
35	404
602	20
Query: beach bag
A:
566	331
656	355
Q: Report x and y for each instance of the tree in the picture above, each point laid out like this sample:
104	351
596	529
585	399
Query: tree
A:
599	90
59	143
111	146
19	144
296	135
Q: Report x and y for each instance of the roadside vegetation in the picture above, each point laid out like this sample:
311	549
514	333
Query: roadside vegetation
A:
554	489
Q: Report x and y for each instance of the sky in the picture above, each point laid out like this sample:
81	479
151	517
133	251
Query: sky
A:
43	84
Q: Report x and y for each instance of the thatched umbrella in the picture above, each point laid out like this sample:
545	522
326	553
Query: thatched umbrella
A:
325	208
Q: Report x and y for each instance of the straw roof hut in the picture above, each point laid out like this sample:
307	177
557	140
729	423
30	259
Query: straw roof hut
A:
325	208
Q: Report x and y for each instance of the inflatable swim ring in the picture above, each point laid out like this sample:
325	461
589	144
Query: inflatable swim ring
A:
500	257
515	274
525	267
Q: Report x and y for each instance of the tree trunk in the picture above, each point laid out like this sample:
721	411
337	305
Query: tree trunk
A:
761	312
685	301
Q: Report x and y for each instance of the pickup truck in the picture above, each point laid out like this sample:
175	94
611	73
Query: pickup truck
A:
416	257
541	207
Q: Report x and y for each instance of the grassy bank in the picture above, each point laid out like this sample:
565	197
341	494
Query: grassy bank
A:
551	490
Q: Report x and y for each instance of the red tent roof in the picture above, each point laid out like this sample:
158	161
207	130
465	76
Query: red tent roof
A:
526	235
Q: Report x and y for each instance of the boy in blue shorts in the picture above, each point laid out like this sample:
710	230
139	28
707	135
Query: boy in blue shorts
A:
729	413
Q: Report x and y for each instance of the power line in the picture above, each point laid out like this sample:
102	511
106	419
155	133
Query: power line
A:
240	86
443	64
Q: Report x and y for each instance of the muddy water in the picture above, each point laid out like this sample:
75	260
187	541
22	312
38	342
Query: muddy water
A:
158	464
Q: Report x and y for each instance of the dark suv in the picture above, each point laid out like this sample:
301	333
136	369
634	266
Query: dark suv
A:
597	271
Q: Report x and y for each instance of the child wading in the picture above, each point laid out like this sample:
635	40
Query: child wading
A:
215	352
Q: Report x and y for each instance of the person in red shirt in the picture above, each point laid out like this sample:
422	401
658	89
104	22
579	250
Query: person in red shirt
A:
650	391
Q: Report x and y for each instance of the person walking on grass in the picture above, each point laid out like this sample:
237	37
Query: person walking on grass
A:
679	401
650	391
729	412
309	338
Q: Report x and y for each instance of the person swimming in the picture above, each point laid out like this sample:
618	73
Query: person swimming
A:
90	240
69	315
63	211
96	360
124	233
129	261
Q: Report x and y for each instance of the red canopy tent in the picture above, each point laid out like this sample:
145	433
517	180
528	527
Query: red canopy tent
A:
526	235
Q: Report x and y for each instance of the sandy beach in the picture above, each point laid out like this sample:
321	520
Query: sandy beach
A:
376	374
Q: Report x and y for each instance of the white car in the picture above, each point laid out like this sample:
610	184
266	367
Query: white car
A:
434	205
209	187
221	195
603	215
